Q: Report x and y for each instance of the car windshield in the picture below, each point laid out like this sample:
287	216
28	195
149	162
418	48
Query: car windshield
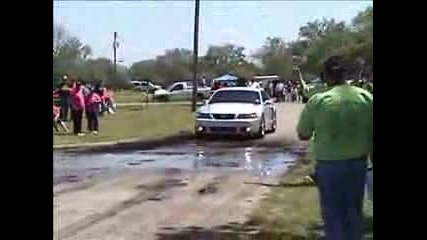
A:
236	96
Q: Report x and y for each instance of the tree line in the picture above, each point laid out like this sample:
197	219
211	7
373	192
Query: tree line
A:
317	40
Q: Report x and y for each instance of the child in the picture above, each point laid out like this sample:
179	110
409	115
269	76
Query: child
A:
56	119
93	102
109	101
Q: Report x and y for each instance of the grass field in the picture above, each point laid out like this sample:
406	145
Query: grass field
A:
130	96
136	122
292	212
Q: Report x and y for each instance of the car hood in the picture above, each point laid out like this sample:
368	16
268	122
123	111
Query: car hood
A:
237	108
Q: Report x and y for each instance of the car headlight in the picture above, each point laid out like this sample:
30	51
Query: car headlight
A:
203	115
247	116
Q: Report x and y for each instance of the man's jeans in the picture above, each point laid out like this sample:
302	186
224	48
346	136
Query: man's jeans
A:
341	186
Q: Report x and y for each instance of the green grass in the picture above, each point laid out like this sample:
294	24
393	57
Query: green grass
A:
293	212
130	96
136	122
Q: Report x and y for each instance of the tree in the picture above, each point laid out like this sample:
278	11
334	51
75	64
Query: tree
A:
275	56
321	39
317	40
145	69
223	59
69	53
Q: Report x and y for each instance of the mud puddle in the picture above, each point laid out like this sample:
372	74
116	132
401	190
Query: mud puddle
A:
264	162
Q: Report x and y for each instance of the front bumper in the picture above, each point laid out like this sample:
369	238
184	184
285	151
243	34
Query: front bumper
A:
227	127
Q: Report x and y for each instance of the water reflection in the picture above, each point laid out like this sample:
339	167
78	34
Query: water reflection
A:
260	162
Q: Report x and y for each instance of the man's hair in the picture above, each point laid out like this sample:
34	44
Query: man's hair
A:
334	68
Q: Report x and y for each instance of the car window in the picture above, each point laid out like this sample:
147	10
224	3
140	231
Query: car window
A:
177	87
236	96
264	96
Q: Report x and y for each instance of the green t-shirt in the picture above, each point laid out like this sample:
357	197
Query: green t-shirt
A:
340	121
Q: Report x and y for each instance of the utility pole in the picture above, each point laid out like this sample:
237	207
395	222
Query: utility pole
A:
114	56
195	52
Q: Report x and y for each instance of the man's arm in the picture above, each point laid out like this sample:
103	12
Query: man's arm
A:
301	79
305	127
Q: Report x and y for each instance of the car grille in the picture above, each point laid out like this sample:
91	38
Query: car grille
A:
224	116
223	129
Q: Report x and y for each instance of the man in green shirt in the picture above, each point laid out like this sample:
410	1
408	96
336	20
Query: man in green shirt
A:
340	121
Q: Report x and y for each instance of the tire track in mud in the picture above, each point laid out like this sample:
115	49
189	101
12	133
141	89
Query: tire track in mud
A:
153	191
229	200
232	209
169	211
81	187
189	209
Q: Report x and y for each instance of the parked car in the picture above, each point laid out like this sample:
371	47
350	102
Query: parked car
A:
181	91
145	86
237	111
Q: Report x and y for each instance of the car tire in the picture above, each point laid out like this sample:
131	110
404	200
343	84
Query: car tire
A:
261	130
274	125
163	99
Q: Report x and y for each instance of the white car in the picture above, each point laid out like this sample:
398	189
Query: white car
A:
237	111
145	85
180	91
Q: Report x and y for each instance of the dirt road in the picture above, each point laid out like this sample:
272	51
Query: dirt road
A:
150	204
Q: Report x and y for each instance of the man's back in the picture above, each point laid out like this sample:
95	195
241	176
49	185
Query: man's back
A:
342	121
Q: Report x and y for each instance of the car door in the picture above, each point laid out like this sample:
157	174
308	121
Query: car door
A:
268	108
187	94
177	92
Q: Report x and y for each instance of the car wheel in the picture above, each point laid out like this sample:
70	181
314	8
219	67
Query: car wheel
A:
273	125
163	98
261	130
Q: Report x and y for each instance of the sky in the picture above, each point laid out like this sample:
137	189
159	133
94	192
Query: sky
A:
147	28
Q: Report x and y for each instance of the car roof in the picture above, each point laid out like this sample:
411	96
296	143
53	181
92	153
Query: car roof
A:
240	89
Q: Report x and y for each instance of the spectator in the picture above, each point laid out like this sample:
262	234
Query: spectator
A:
109	100
279	90
341	121
254	84
85	88
77	108
93	104
64	101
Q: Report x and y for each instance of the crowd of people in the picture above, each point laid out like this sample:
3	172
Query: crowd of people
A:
282	90
76	99
286	90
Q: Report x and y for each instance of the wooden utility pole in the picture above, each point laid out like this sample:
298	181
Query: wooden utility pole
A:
195	52
114	56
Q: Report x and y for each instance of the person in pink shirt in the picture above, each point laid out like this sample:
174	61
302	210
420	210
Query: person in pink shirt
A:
110	105
77	108
93	104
